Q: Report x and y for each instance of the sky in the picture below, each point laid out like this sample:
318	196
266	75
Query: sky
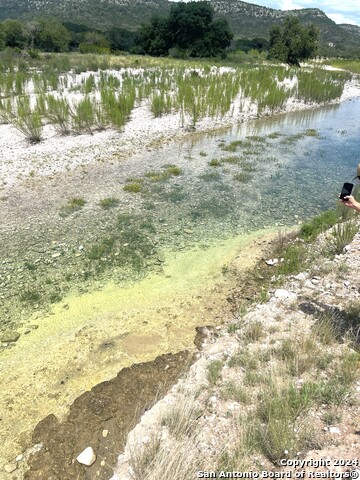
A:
341	11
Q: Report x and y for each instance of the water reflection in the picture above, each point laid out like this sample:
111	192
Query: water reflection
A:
300	161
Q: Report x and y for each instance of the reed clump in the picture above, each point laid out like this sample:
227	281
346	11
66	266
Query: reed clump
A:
78	93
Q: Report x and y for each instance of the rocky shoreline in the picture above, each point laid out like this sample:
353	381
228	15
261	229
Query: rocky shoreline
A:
289	313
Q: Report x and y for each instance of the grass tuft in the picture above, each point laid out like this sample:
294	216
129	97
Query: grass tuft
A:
73	205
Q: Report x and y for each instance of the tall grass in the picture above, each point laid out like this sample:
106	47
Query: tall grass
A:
58	113
193	89
320	86
26	119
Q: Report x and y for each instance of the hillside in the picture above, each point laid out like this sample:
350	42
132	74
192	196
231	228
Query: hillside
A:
246	20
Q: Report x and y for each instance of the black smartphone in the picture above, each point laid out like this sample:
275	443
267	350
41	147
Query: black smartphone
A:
346	190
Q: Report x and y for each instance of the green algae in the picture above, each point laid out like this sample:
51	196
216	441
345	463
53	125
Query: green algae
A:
89	338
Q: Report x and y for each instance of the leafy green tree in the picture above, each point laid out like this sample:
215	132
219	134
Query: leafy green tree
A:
189	30
14	33
2	38
189	22
52	36
120	39
154	38
293	42
193	29
257	43
32	29
94	42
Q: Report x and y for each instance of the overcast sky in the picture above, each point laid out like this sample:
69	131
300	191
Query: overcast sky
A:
341	11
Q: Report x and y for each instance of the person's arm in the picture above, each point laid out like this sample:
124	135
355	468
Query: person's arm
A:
351	203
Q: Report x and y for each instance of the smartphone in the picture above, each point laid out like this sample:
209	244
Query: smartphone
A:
346	190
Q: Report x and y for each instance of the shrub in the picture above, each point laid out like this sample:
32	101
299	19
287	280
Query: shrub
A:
109	202
133	187
341	235
72	206
214	371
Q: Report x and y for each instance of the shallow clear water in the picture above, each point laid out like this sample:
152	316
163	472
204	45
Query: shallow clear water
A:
298	171
282	170
292	173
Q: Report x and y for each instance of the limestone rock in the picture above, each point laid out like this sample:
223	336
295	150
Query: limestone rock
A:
302	276
285	296
271	262
87	457
9	337
309	284
10	467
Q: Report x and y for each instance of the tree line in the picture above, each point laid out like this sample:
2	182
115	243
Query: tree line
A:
51	35
189	30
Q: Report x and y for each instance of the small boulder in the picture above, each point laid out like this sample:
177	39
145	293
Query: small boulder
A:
285	296
10	467
9	337
272	262
87	457
302	276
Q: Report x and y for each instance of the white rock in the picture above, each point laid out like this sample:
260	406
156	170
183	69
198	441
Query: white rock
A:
270	262
302	276
285	296
334	430
105	433
87	457
308	284
19	458
10	467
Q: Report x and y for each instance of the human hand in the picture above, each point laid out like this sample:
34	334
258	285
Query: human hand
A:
349	201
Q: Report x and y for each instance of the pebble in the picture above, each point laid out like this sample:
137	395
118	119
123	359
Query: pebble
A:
9	337
10	467
105	433
302	276
272	261
285	296
310	285
188	231
87	457
334	430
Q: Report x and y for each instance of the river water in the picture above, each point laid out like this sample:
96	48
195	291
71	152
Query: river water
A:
171	239
299	163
